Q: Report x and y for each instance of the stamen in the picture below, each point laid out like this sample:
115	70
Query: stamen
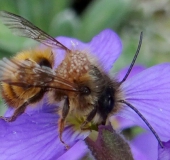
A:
144	119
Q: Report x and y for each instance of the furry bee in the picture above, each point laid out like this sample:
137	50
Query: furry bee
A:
78	81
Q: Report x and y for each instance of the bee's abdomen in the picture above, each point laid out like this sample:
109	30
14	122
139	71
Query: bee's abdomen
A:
9	95
15	96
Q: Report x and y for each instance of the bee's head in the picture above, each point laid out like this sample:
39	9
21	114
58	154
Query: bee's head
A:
98	90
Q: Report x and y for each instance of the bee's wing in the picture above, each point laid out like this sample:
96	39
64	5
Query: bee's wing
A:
29	74
22	27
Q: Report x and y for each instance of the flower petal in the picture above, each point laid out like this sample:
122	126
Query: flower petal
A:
35	136
149	92
78	151
120	123
107	47
135	70
164	153
137	155
149	149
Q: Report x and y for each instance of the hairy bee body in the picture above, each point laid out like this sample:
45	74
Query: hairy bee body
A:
19	97
78	81
78	68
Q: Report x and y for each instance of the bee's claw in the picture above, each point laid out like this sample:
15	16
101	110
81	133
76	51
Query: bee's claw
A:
8	119
65	145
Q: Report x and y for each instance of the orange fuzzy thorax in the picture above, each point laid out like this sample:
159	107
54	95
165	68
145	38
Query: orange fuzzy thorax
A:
74	65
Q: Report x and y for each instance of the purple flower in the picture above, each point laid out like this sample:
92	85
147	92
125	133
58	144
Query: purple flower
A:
138	145
164	153
120	123
143	150
149	91
34	134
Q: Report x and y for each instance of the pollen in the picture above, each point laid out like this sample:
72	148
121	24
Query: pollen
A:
86	67
74	65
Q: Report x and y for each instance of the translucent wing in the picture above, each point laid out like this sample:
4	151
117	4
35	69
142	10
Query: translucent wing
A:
22	27
29	74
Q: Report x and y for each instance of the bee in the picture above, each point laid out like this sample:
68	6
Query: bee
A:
79	82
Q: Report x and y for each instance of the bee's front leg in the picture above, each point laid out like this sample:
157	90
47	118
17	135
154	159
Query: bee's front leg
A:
89	118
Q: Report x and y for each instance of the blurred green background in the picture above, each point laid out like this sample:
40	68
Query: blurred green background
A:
84	19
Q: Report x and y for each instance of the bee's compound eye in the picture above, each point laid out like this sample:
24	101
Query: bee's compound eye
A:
85	90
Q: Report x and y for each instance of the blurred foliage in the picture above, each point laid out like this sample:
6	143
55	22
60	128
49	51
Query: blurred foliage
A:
83	20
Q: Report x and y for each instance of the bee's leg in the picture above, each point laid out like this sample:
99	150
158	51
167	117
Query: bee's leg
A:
61	122
21	109
89	118
16	113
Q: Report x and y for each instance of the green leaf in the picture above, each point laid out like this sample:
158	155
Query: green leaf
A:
65	23
103	14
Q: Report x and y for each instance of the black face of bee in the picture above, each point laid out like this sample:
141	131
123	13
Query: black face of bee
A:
106	103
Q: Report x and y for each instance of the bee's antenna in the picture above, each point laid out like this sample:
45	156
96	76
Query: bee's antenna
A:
144	119
134	59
